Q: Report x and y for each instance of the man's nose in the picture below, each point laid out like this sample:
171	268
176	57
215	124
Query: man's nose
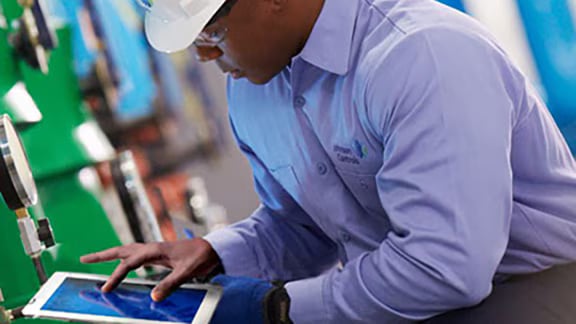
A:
208	53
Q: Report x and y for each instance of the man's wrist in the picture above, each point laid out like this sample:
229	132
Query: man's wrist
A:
218	270
276	305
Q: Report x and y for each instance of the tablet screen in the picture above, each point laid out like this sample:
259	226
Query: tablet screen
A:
83	296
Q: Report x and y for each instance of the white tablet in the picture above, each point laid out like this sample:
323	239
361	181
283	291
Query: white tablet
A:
77	297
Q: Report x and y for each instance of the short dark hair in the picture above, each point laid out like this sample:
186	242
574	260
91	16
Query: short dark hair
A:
222	12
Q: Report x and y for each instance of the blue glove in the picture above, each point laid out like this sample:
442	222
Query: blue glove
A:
250	301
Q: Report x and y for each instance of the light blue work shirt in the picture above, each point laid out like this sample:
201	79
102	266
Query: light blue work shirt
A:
404	143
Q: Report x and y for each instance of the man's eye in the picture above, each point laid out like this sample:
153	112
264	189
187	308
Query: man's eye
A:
215	34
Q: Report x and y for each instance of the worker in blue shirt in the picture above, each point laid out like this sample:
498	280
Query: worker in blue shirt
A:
405	168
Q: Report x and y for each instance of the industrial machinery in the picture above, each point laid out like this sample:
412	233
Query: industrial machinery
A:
19	192
39	90
137	208
137	114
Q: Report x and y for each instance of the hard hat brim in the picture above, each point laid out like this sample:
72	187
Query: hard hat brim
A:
176	35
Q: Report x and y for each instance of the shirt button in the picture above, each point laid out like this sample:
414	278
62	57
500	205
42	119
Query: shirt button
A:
322	168
299	102
345	236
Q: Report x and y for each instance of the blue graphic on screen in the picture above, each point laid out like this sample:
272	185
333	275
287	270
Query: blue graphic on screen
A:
127	301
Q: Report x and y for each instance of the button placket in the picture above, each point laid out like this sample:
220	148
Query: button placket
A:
345	236
322	168
299	102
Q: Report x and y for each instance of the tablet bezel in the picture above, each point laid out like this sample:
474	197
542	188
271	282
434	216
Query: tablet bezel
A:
34	307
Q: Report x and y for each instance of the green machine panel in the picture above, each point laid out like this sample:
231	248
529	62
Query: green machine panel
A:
79	222
14	97
54	145
59	158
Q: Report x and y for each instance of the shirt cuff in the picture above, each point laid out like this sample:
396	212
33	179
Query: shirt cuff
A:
237	257
307	302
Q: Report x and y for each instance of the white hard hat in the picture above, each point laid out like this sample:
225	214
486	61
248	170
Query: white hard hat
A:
173	25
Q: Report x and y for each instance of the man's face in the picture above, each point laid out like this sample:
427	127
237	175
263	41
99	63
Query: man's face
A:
252	45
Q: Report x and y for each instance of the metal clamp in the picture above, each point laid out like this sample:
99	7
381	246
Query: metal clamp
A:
29	236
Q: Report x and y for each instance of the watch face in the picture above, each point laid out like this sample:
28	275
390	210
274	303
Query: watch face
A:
18	188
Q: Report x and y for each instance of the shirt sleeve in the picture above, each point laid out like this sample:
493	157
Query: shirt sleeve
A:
279	241
440	102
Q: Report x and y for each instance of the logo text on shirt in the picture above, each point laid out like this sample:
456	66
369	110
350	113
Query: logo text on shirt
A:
351	155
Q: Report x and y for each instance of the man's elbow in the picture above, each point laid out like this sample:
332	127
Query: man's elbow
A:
471	289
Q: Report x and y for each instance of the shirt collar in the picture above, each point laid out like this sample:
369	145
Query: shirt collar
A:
329	45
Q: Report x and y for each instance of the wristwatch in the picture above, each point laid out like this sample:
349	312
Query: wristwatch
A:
276	305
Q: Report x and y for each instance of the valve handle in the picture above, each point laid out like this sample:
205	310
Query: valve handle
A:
45	233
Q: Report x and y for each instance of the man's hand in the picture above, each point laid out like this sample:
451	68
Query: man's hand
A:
187	259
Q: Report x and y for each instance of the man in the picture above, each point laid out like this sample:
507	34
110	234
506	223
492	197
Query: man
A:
391	137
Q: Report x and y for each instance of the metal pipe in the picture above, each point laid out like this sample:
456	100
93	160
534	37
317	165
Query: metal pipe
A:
16	313
40	270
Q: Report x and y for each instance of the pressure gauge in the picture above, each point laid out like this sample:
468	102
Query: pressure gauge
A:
16	181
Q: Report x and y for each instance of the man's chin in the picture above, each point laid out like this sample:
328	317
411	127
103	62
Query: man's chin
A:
259	80
255	78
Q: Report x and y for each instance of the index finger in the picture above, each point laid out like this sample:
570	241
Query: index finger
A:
102	256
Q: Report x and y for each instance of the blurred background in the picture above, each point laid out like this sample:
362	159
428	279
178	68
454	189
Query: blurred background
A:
130	145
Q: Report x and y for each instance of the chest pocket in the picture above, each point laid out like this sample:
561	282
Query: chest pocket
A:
287	178
363	188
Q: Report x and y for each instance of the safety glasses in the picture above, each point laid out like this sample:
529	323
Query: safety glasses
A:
212	38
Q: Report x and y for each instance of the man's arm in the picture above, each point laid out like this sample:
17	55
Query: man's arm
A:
279	241
440	102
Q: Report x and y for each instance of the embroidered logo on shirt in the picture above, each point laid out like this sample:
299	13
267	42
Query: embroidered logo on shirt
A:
360	149
351	155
